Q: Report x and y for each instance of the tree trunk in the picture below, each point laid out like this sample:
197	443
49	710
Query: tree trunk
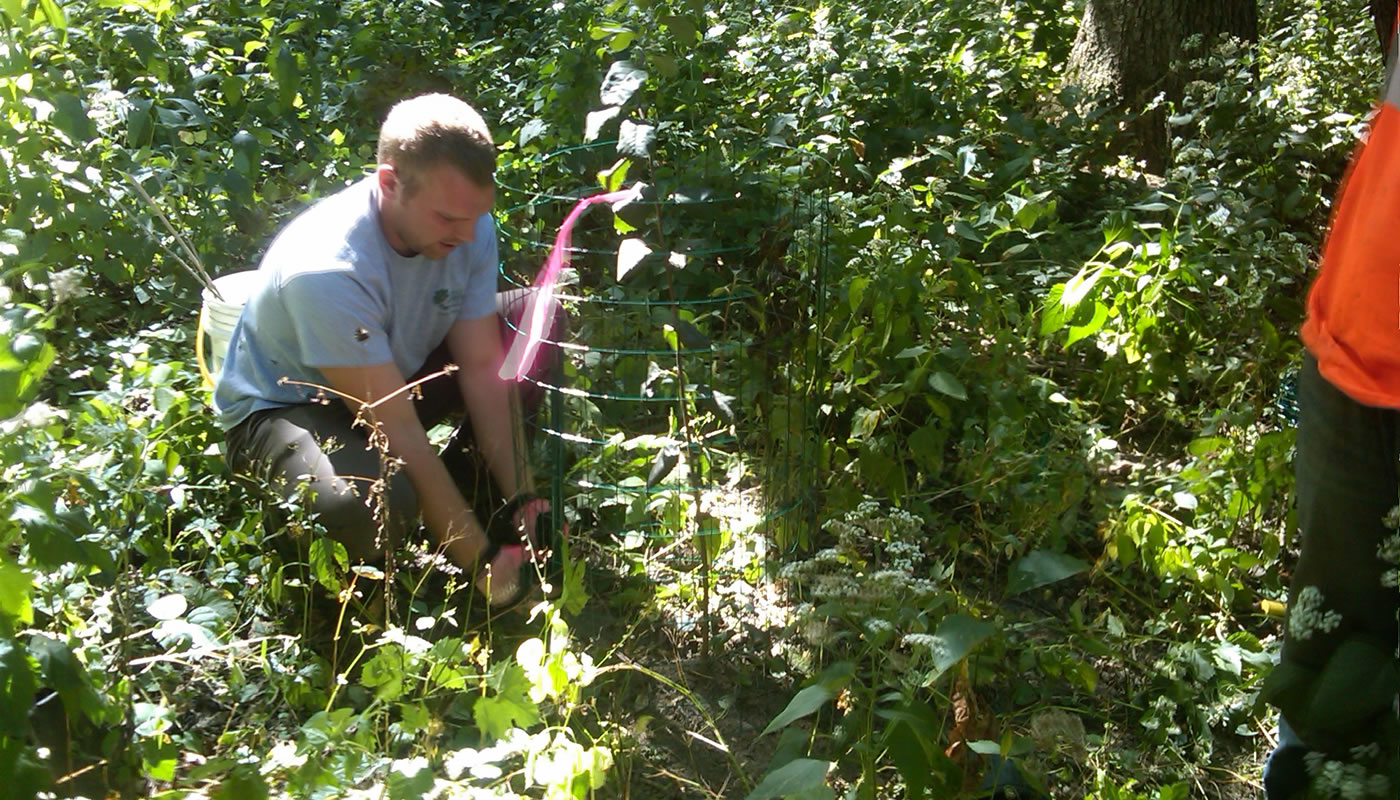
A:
1126	52
1383	12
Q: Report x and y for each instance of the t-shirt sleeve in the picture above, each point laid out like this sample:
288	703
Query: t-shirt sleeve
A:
483	266
336	320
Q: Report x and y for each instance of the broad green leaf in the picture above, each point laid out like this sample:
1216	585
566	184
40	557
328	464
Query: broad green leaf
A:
70	116
1093	326
595	120
1041	567
613	177
945	383
53	12
665	64
325	554
954	639
14	9
14	594
531	130
243	782
509	707
621	41
803	777
1053	316
803	703
66	676
829	683
170	606
622	80
855	291
682	28
139	123
629	253
1077	288
385	672
17	687
635	139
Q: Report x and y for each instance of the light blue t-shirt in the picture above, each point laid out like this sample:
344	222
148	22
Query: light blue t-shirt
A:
335	294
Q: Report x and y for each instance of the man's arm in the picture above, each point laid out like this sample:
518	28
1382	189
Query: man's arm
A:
444	511
475	344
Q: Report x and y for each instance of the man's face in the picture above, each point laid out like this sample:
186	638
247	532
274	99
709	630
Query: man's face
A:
440	213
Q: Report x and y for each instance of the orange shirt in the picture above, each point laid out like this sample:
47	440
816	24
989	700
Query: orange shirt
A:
1353	311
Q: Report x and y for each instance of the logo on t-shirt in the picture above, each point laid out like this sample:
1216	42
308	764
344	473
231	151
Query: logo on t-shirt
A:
447	300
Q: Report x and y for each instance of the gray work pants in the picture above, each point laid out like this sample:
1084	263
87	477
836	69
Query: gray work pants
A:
314	455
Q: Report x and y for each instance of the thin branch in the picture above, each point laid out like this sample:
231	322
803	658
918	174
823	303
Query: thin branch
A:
193	265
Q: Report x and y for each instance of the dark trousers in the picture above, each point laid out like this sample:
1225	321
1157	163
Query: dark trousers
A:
1347	477
314	455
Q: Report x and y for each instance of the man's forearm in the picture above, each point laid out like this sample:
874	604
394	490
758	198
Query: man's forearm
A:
497	423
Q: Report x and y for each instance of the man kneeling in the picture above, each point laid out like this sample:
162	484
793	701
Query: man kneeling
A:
389	279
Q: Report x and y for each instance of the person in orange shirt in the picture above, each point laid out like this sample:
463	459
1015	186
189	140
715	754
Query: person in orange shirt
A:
1336	681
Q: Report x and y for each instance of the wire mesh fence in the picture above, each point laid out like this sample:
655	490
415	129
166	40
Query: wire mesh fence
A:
681	419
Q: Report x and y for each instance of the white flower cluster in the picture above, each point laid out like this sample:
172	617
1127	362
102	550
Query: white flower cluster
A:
925	641
1349	781
1307	616
1389	552
67	284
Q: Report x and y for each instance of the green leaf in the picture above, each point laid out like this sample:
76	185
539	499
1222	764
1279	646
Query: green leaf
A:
1053	316
1077	288
805	702
510	707
62	672
621	41
595	120
613	177
804	777
325	554
243	782
1093	326
954	639
630	252
17	687
684	31
14	9
635	139
385	673
1041	567
945	383
531	130
910	758
283	66
829	683
53	12
622	80
139	123
14	595
70	116
855	291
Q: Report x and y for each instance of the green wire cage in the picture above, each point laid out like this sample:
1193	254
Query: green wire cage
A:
681	420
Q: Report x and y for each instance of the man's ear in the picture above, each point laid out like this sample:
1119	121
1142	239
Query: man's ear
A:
389	184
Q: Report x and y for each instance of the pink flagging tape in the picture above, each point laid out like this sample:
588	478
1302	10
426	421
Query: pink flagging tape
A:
540	304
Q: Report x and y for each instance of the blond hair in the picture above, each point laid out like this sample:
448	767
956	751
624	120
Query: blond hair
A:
433	129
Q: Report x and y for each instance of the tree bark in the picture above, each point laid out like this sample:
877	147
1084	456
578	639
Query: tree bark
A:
1383	13
1127	51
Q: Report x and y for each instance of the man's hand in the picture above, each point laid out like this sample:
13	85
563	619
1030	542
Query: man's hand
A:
445	513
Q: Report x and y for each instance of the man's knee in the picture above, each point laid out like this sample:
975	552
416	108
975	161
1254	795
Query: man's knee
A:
347	513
